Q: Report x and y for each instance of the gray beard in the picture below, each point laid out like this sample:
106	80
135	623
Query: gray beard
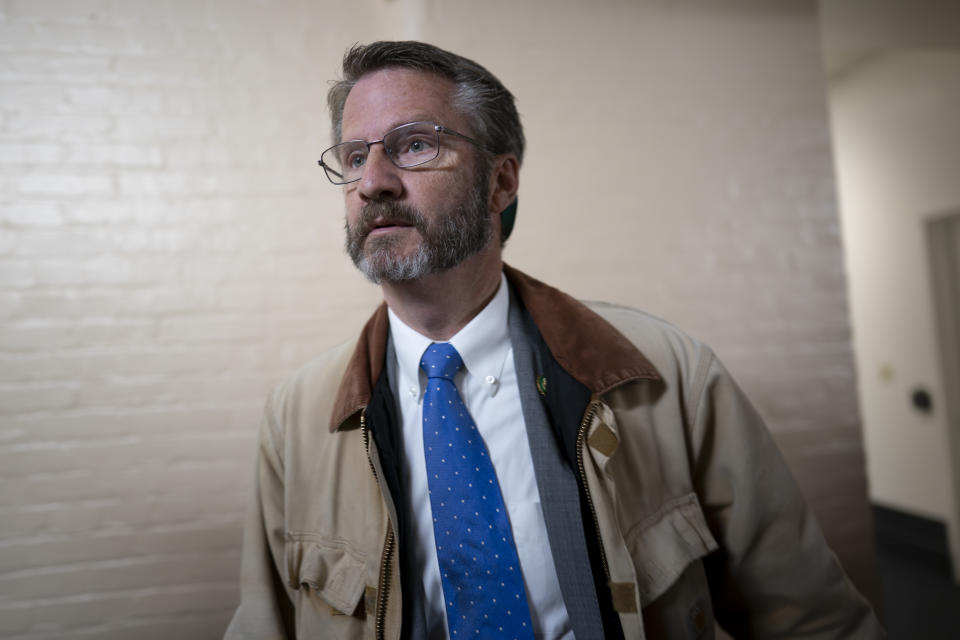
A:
457	233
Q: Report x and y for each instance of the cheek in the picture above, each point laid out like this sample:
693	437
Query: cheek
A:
350	195
352	206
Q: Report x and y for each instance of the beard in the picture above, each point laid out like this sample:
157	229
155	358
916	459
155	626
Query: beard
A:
457	232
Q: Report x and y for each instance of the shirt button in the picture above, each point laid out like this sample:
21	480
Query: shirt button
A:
413	391
490	379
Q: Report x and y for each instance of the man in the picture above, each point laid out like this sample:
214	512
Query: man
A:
491	458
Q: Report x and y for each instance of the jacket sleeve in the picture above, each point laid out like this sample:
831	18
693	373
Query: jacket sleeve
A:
266	610
774	575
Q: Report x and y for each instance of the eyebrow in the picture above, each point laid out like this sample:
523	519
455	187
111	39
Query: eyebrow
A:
417	117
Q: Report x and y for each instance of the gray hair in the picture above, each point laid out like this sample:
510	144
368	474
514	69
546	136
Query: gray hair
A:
479	94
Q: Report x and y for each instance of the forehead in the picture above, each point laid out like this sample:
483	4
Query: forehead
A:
390	97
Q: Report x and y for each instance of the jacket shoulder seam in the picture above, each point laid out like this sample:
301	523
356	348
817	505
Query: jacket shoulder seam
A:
274	431
698	385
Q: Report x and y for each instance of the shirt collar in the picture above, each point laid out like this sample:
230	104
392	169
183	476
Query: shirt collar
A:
585	345
484	344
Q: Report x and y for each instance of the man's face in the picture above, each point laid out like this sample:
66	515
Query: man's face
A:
402	224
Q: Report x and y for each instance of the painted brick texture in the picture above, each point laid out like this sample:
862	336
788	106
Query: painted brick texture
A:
169	251
162	253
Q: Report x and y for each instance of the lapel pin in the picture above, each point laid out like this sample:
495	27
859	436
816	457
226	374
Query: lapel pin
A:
542	385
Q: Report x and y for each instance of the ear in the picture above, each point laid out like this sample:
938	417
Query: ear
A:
504	183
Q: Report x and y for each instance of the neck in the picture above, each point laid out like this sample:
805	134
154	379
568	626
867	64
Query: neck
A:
440	304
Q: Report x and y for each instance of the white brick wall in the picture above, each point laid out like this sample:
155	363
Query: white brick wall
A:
163	239
169	250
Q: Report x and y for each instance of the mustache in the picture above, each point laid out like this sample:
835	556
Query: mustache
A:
393	211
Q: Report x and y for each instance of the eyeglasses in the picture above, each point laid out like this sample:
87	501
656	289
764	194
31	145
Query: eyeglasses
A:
408	145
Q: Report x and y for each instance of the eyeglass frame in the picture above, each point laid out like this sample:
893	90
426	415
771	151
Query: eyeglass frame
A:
438	128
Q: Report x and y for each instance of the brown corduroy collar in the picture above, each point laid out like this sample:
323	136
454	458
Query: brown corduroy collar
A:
583	343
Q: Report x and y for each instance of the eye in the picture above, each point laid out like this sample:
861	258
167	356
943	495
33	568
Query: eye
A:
414	143
411	144
356	159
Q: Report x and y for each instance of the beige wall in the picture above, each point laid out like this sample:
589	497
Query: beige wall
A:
169	250
898	149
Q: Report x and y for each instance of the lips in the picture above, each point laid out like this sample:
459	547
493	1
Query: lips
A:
380	219
386	224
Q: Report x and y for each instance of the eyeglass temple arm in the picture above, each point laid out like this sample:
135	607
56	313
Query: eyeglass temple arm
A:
443	129
330	169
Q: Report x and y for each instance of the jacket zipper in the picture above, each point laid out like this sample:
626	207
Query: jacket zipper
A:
581	437
383	582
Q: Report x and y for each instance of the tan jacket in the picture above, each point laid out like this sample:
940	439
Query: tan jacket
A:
699	518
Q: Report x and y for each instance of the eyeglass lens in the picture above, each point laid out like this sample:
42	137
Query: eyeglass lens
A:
406	146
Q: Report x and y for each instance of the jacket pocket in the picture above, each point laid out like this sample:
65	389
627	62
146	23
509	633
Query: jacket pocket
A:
666	543
329	567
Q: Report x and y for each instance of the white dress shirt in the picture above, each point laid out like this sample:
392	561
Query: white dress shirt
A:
488	384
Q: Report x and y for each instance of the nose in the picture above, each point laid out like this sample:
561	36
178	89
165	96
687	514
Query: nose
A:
381	178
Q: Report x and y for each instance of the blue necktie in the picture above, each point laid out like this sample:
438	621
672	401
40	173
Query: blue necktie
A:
479	569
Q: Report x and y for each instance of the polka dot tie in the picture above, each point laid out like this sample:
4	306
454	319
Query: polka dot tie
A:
482	583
